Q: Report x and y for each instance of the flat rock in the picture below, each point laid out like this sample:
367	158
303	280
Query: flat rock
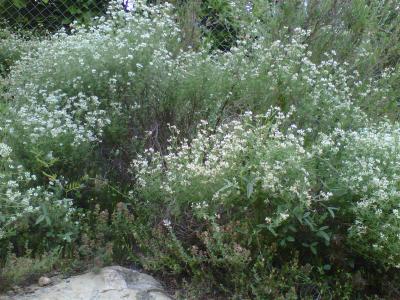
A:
111	283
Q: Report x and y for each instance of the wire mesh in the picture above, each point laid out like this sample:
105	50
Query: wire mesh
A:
213	21
48	15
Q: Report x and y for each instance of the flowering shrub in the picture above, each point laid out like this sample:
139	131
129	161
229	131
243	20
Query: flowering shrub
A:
249	165
248	188
363	168
97	91
11	48
253	184
26	206
264	161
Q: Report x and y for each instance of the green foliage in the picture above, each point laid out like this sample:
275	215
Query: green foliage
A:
241	151
30	212
247	193
11	48
363	175
251	193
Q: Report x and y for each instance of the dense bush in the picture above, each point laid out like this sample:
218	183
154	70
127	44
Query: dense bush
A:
262	168
255	194
11	48
363	174
113	86
30	209
247	193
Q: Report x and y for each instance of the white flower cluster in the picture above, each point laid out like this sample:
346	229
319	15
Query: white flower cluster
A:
266	157
60	115
77	84
366	166
5	150
12	45
74	84
239	159
20	197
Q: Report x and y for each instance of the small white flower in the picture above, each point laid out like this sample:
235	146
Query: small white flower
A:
167	223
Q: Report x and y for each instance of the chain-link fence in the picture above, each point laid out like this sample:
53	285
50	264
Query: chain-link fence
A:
199	18
48	15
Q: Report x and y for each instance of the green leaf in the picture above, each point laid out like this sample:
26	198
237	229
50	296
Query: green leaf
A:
313	250
20	3
51	177
40	219
324	235
272	231
327	267
331	211
290	239
226	186
66	21
67	237
250	189
74	10
309	224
